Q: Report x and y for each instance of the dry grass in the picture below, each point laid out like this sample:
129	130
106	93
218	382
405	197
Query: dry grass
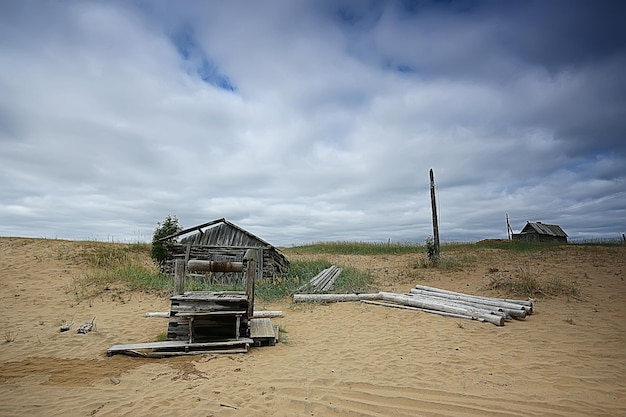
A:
9	336
524	283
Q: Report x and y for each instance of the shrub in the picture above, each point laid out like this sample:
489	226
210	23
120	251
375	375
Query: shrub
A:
168	227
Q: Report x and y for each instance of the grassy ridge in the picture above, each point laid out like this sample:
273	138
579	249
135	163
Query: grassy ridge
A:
129	266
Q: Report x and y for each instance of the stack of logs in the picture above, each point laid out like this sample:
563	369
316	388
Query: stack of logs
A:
438	301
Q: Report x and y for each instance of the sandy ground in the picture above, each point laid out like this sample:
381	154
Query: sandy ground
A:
568	359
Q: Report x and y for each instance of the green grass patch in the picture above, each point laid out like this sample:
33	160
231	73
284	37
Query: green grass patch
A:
350	280
357	248
161	337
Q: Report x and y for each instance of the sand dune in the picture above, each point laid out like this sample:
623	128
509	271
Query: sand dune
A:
568	359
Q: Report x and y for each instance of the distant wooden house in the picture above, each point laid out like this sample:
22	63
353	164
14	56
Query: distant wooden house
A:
541	232
221	240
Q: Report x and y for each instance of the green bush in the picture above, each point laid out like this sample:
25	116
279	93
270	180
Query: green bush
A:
169	226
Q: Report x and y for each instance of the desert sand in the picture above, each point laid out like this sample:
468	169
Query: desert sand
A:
567	359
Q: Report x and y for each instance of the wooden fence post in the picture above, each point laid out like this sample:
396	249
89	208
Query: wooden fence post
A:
179	276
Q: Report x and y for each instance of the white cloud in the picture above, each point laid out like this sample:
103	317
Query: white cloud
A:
328	135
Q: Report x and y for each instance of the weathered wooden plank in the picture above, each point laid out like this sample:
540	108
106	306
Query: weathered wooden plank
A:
335	297
175	344
158	354
212	313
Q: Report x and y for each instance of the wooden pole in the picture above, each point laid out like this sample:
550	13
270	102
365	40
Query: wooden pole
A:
433	305
434	209
509	231
251	258
179	276
527	304
330	298
196	265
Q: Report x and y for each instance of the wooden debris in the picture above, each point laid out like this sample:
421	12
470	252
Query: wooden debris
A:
323	281
437	301
262	332
86	327
267	314
66	327
330	298
526	304
178	348
437	305
164	314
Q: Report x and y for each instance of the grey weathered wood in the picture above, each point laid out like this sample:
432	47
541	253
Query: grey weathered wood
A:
179	276
470	298
164	314
470	306
381	303
516	312
334	297
527	303
440	313
158	354
433	204
198	265
252	258
267	314
438	306
322	281
261	329
175	344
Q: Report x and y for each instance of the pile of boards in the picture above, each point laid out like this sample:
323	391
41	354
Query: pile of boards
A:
437	301
323	281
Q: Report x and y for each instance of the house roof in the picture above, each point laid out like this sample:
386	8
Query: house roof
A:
543	229
200	227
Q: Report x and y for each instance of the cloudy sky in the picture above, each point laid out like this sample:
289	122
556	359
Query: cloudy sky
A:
306	121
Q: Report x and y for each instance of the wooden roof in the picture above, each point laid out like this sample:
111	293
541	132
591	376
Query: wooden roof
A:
543	229
219	232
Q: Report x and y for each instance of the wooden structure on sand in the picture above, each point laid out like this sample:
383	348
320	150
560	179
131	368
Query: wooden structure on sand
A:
541	232
210	322
222	241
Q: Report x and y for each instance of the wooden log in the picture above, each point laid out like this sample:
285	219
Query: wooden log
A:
468	307
527	303
434	305
179	277
197	265
267	314
329	298
164	314
441	313
517	311
473	298
380	303
476	306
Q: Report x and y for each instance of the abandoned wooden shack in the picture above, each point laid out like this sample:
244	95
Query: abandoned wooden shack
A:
541	232
221	240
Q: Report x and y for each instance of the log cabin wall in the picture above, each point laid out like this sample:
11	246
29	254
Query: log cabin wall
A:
225	242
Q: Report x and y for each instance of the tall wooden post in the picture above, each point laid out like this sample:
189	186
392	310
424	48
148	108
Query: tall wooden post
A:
434	209
179	276
509	231
252	259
